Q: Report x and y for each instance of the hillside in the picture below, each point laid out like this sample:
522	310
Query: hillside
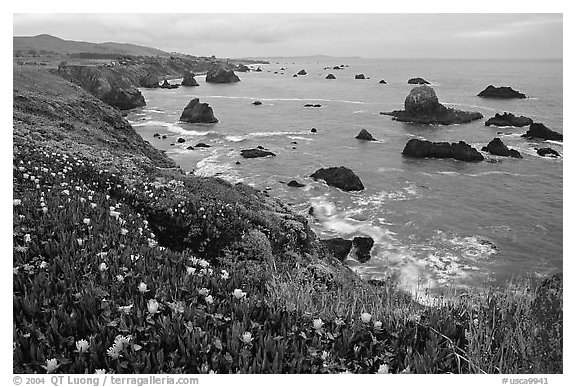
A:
52	44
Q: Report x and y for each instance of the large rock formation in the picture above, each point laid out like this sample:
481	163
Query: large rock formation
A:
167	85
418	81
443	150
545	152
365	135
330	76
362	247
221	75
538	130
114	89
196	112
150	81
189	80
339	247
359	76
242	68
253	153
508	119
301	72
504	92
497	147
422	107
339	177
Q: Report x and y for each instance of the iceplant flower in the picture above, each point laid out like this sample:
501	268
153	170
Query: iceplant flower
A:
153	306
100	371
209	299
246	337
123	231
317	323
365	317
224	275
190	270
103	267
203	292
142	288
27	238
377	324
239	294
82	346
16	202
51	365
86	221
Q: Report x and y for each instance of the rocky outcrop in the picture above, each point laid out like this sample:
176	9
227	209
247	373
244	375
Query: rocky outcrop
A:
196	112
547	152
418	81
150	81
508	119
359	76
339	177
189	80
167	85
253	153
330	76
256	103
295	184
111	88
443	150
365	135
201	145
504	92
362	247
382	82
422	107
538	130
221	75
301	72
316	105
497	147
242	68
339	247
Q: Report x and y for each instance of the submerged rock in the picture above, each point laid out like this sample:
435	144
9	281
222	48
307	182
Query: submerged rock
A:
421	106
365	135
330	76
339	177
538	130
313	130
253	153
189	80
339	247
508	119
443	150
256	103
418	81
202	145
545	152
497	147
196	112
362	247
221	75
295	184
504	92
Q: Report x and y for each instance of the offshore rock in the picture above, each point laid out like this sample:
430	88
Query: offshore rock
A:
339	177
221	75
362	247
497	147
547	152
365	135
504	92
189	80
196	112
339	247
443	150
421	106
330	76
508	119
253	153
418	81
538	130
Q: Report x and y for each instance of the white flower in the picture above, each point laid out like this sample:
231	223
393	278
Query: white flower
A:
66	192
100	371
203	292
324	355
224	275
123	231
365	317
80	241
317	323
43	265
384	369
190	270
113	352
27	238
126	309
338	321
204	263
51	365
209	299
93	205
86	221
246	337
16	202
44	210
82	200
142	288
82	346
377	324
115	214
103	266
120	278
120	341
153	306
239	294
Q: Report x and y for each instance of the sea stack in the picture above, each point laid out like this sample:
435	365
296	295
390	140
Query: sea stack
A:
196	112
497	147
538	130
365	135
422	107
442	150
339	177
221	75
189	80
508	119
504	92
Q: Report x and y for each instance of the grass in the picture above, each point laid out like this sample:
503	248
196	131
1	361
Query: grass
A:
179	274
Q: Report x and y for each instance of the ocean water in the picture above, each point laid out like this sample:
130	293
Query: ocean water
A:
436	223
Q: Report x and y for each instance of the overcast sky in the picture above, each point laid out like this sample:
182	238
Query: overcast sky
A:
506	36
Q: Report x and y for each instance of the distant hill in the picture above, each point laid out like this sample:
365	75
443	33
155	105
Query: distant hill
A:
53	44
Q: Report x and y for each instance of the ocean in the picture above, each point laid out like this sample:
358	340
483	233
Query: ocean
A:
436	224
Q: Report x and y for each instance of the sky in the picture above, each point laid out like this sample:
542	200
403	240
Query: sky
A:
369	35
